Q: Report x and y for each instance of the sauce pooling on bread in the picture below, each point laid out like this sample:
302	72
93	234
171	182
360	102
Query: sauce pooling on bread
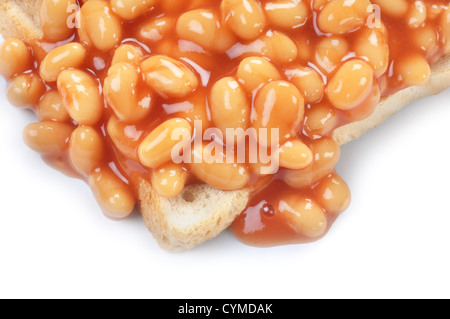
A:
233	93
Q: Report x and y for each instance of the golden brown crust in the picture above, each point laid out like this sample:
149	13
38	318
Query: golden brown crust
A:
20	18
201	212
198	214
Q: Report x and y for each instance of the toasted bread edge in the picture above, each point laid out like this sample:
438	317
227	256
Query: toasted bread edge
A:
439	81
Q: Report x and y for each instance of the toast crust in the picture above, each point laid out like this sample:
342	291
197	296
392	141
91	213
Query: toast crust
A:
439	81
201	212
198	214
20	18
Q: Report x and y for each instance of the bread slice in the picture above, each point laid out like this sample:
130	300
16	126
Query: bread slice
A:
439	81
201	212
20	18
198	214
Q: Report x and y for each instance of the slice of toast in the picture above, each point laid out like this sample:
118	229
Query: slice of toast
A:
20	18
201	212
198	214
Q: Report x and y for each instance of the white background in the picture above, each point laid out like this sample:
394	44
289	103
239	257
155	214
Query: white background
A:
394	241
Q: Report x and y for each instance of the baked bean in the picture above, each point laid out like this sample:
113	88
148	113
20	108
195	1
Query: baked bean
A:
245	17
330	51
305	47
188	51
131	9
51	108
343	16
270	166
121	92
61	164
48	137
279	47
15	57
304	215
54	16
413	70
218	173
426	39
274	45
156	149
320	120
71	55
154	29
309	83
25	90
229	105
99	26
326	155
393	8
333	194
318	5
278	105
193	108
287	14
445	22
169	77
86	149
203	28
433	11
417	14
253	72
112	194
127	53
125	137
169	180
295	155
366	108
82	29
372	44
81	96
351	85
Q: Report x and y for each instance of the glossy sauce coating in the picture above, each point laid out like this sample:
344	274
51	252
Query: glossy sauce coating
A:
114	89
